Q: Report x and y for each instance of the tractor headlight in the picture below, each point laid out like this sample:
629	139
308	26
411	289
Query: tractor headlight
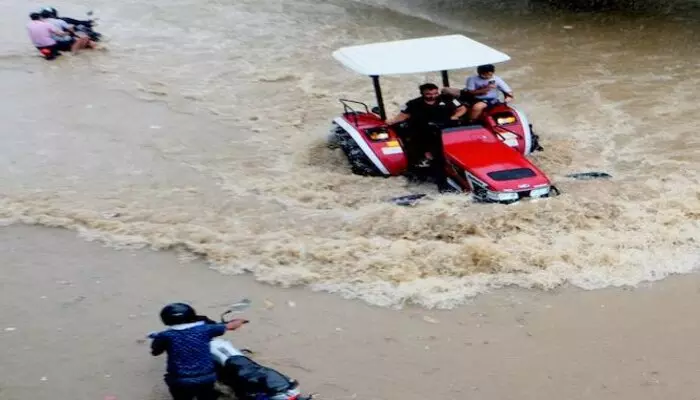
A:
539	192
502	196
505	120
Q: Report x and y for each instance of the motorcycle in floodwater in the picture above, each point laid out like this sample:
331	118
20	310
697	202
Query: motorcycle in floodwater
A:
85	26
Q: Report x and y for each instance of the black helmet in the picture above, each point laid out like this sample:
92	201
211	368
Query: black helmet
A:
52	12
178	313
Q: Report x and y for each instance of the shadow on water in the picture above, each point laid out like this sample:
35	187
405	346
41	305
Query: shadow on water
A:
460	9
640	7
632	6
497	20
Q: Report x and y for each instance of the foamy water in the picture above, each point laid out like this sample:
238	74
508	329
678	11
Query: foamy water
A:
202	129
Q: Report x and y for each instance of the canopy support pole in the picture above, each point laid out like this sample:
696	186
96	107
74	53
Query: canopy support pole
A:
380	100
445	79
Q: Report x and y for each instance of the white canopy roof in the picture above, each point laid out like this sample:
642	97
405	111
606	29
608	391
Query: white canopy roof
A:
418	55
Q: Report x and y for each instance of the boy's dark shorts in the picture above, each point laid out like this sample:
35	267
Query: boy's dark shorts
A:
469	100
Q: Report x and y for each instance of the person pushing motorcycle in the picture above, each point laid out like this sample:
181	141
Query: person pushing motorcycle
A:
191	372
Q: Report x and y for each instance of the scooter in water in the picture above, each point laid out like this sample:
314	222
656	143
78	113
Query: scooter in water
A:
85	26
81	27
247	379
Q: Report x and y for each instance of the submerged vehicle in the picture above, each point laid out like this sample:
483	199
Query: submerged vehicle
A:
486	158
83	27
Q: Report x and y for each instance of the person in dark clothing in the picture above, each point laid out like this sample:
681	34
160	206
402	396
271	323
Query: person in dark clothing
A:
425	115
191	372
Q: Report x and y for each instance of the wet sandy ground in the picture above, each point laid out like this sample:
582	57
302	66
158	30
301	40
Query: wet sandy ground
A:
74	314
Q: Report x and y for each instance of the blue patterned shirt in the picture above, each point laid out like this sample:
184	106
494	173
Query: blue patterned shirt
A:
189	358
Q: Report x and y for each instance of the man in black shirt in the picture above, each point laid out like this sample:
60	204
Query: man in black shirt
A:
422	114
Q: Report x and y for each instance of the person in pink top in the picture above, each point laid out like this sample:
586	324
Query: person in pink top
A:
72	41
41	34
